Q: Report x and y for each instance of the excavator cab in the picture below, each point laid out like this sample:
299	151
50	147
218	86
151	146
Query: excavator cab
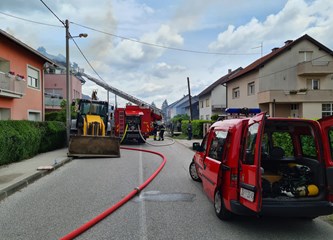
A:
92	134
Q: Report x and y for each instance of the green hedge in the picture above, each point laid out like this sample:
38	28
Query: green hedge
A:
24	139
197	127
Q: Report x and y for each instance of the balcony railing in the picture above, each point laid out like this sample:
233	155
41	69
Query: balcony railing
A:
11	86
52	103
315	68
283	96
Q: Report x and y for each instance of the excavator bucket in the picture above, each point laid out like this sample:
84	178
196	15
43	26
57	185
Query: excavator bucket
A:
93	146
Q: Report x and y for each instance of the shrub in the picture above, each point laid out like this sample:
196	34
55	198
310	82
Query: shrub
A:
53	136
24	139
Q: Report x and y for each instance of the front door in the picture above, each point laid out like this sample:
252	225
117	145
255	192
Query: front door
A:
250	172
212	161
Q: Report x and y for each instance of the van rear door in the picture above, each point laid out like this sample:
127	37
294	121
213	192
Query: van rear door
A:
327	141
250	173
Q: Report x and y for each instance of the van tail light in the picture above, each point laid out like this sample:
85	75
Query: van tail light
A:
233	177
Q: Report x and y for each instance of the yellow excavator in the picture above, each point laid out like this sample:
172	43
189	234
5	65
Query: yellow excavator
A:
91	131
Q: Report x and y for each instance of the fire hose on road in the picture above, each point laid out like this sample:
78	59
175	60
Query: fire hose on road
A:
128	197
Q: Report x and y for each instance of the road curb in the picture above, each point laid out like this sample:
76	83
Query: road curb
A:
6	192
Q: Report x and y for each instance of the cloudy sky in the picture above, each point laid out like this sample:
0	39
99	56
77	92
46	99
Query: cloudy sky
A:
148	48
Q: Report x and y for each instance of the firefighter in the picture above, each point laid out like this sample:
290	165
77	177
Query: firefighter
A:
161	133
155	127
189	130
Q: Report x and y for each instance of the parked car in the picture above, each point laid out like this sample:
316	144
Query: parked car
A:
267	166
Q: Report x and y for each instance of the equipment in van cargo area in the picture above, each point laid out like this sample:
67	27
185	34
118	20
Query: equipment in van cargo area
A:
291	180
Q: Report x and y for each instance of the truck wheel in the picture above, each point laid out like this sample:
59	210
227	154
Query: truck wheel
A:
193	172
220	210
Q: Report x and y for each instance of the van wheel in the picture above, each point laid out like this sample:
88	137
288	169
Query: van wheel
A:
220	210
193	172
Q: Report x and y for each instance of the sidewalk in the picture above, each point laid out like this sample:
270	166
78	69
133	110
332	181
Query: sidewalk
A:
188	143
16	176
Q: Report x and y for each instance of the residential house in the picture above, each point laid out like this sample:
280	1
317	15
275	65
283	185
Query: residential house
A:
176	108
295	80
55	89
21	80
213	99
195	107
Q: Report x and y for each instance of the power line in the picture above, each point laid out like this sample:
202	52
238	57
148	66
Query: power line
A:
126	38
53	13
27	20
146	43
87	59
161	46
71	37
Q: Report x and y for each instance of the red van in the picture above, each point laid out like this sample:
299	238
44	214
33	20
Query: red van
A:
267	166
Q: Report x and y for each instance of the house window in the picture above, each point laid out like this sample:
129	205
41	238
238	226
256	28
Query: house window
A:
235	93
305	56
33	78
34	116
4	114
315	84
207	102
201	104
201	117
327	109
250	88
207	117
293	106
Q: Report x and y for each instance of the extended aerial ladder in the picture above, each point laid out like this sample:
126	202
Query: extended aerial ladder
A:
120	93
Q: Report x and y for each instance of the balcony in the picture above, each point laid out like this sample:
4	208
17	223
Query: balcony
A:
52	102
283	96
11	86
315	68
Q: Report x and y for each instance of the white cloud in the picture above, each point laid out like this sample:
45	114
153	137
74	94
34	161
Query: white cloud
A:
295	19
164	70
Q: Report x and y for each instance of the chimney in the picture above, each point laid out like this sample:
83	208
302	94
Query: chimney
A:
274	49
288	42
229	70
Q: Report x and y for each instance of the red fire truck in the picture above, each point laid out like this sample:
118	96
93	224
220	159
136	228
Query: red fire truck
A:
264	165
135	123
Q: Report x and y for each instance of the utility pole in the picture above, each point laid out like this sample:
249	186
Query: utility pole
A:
189	96
68	85
68	80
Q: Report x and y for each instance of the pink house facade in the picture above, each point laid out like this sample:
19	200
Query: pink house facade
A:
21	80
55	90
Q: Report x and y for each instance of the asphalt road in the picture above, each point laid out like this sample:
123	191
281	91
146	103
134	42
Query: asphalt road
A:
171	207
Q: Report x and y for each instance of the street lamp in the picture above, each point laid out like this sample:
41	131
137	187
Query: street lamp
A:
68	80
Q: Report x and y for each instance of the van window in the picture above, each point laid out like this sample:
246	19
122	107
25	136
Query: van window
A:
308	146
284	141
217	145
251	143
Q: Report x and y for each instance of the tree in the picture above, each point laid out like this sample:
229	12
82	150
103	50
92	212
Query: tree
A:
153	104
164	108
